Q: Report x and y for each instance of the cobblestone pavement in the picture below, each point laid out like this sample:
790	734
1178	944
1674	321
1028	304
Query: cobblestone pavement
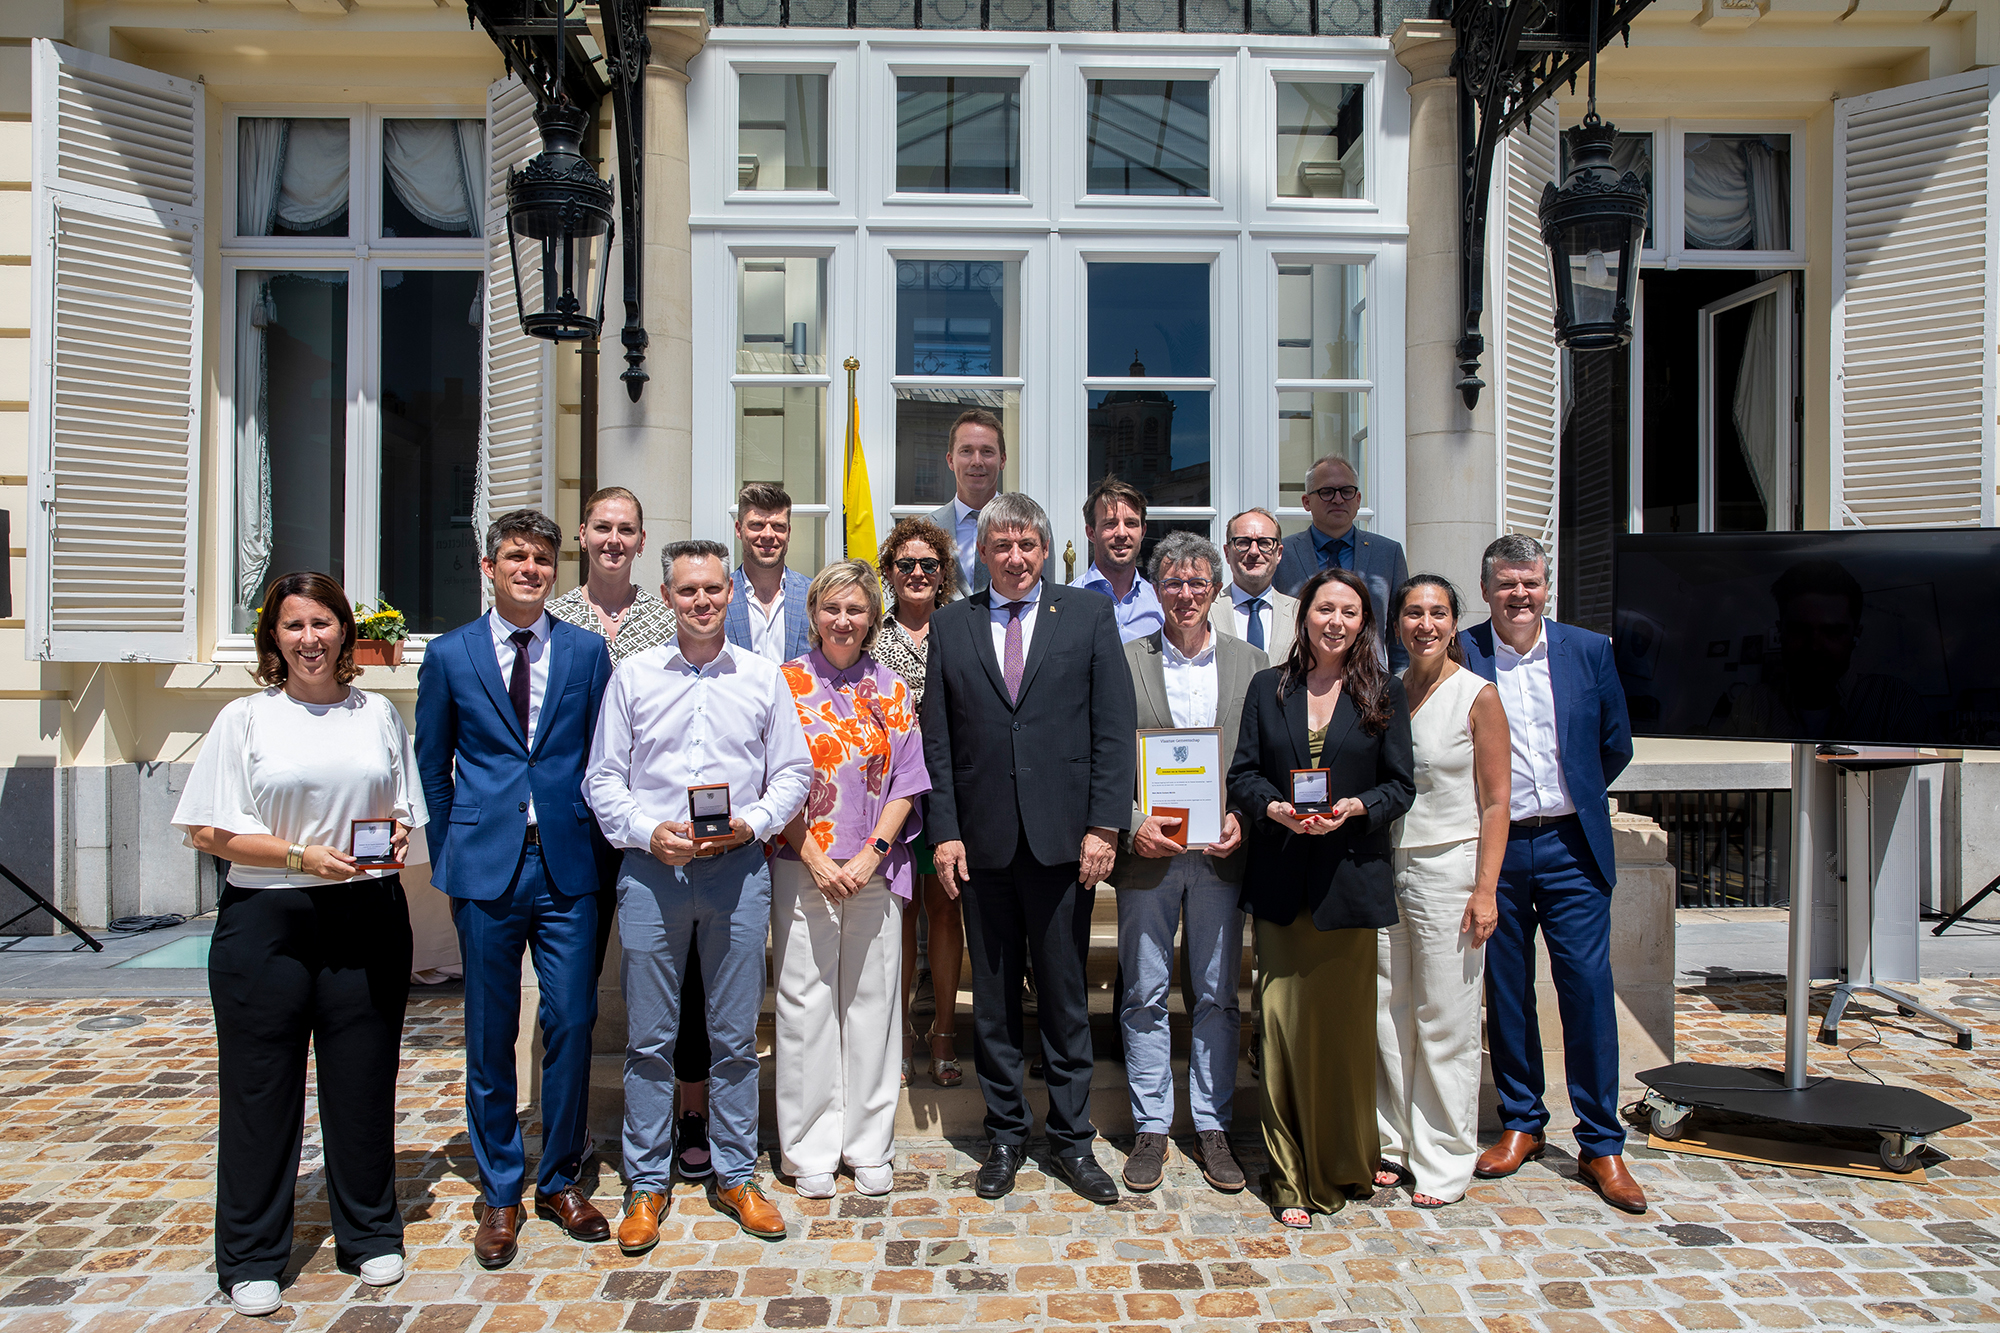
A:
105	1140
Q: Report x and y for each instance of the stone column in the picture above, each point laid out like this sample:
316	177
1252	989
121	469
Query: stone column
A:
1450	453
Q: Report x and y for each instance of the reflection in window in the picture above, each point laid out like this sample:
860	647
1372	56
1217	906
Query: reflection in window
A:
1156	439
1321	309
957	317
958	136
780	438
433	178
1313	425
291	176
1148	136
290	395
781	316
1632	151
923	415
1739	191
781	131
1148	319
1320	151
430	445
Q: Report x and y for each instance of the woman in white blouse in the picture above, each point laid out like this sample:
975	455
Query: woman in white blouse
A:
311	944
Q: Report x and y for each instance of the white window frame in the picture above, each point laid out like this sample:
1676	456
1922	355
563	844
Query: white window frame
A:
1670	248
1073	77
878	158
1278	72
840	185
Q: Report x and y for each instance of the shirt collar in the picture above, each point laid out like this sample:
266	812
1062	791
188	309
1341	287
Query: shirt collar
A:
722	661
961	509
1033	598
1322	542
503	629
833	675
1175	657
1538	653
1243	596
1093	579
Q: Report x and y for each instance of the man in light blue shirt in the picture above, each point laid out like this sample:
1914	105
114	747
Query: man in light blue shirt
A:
975	451
1114	518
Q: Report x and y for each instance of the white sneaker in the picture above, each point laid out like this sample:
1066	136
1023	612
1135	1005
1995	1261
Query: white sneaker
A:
815	1187
874	1179
384	1270
254	1298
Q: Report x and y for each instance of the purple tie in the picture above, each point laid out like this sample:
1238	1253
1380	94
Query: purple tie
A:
1010	661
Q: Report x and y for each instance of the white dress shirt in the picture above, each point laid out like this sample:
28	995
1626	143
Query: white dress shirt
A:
1033	597
1191	681
1240	600
965	536
538	669
1529	698
767	633
667	726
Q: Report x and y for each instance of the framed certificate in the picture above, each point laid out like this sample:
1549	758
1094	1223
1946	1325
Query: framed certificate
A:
1312	791
372	844
708	812
1180	774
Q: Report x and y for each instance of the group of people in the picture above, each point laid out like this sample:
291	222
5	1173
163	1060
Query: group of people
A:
943	730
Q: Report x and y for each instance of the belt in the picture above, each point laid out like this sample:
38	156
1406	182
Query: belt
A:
534	835
1536	823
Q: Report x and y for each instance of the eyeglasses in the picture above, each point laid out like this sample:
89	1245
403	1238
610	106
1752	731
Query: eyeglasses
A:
1198	587
910	566
1247	544
1328	494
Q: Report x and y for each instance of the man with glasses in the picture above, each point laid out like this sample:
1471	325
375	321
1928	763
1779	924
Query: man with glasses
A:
1250	609
1333	498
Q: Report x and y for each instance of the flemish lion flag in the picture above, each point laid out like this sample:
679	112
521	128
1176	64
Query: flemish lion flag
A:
856	498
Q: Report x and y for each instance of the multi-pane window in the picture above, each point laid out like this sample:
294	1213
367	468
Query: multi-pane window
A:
1321	152
781	131
781	385
958	135
1737	191
1148	136
958	346
1323	374
1149	380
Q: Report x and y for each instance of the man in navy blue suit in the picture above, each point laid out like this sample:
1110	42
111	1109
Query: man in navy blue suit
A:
1566	718
506	707
1333	498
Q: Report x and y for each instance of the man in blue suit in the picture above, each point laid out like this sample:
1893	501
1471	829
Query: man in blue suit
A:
1333	498
767	608
506	707
1570	737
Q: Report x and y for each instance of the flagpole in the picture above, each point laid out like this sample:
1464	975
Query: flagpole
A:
851	365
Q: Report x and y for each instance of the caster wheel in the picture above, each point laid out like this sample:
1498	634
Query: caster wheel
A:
1906	1011
1670	1130
1895	1160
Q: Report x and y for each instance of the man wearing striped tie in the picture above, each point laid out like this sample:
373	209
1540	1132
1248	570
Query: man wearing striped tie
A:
1028	728
1250	608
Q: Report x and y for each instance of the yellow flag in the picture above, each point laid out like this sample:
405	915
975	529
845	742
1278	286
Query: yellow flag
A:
855	498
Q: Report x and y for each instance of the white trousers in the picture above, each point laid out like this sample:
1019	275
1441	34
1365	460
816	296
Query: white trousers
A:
1427	990
839	969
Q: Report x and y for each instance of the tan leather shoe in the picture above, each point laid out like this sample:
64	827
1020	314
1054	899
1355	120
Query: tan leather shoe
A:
498	1239
640	1231
1505	1157
752	1211
568	1209
1608	1176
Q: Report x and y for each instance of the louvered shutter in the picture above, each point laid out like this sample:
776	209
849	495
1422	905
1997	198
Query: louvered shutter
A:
1914	292
517	408
1528	397
115	362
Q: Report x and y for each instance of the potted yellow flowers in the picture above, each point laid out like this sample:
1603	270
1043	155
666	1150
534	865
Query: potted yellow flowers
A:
381	635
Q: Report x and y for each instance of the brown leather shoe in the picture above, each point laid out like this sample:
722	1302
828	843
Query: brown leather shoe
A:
1608	1176
1505	1157
640	1231
568	1209
497	1241
752	1211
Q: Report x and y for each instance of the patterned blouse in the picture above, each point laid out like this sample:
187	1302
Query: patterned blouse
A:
904	654
648	623
866	752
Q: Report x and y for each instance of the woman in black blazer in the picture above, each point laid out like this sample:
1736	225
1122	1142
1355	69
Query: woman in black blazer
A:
1320	886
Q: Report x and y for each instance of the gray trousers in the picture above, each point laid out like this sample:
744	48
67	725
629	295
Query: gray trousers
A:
1195	898
722	907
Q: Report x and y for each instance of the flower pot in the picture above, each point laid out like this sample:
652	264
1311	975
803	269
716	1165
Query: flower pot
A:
377	652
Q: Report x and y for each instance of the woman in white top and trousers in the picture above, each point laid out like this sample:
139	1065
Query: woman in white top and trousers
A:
309	945
1429	966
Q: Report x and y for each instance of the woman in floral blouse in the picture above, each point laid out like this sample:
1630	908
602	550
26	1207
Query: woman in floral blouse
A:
838	889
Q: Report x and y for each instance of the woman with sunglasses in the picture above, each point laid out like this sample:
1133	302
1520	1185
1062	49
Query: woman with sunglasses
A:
918	565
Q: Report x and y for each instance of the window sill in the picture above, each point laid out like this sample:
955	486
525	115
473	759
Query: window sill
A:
230	675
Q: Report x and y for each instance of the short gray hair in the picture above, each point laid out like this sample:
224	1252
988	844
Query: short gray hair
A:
1181	548
1328	460
1253	509
1012	509
530	523
836	576
695	548
1513	549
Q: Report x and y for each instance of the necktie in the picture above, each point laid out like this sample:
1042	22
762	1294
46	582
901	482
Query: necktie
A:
1256	613
517	684
1333	554
1011	660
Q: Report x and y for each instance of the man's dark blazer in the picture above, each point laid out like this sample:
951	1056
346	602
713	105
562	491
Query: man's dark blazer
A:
478	771
1344	879
1059	762
1591	723
1378	560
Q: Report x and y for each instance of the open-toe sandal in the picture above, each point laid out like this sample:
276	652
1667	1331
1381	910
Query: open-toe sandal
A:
944	1073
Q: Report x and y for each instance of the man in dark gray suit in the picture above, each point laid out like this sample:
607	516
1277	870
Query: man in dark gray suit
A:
975	449
1333	498
1028	726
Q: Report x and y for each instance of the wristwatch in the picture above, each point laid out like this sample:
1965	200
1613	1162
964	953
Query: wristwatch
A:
881	846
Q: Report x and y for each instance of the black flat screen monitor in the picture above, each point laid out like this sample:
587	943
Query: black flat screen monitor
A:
1884	637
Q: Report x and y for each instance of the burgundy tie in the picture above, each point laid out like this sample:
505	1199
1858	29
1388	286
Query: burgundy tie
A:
1011	660
517	684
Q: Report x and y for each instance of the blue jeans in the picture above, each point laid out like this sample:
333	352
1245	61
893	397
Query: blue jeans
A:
1212	934
721	907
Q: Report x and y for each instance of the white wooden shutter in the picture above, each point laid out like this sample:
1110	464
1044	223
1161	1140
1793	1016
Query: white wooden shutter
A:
517	408
1528	394
115	360
1914	293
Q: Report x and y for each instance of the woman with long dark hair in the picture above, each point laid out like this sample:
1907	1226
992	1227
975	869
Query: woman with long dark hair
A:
1319	887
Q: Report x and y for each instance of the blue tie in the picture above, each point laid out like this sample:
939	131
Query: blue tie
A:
1330	554
1255	612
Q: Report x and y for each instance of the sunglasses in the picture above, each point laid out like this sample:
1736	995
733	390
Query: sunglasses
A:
908	565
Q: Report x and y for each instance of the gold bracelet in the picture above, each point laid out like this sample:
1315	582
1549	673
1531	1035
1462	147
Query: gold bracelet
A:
295	858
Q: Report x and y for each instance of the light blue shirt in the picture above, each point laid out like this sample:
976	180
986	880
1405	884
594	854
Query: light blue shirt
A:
966	539
1139	612
1334	552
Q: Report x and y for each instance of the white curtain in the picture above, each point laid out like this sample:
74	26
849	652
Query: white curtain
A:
253	446
434	166
260	166
1736	192
289	170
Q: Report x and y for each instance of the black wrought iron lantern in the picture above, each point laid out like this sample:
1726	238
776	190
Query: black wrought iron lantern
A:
560	207
1594	227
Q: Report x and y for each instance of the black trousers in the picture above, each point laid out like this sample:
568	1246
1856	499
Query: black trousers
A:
329	967
1028	912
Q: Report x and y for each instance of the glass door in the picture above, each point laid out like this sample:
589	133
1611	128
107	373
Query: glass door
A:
1747	409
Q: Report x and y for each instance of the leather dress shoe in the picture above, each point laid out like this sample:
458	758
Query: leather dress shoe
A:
997	1176
498	1239
1608	1176
1087	1178
640	1229
752	1211
1505	1157
568	1209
